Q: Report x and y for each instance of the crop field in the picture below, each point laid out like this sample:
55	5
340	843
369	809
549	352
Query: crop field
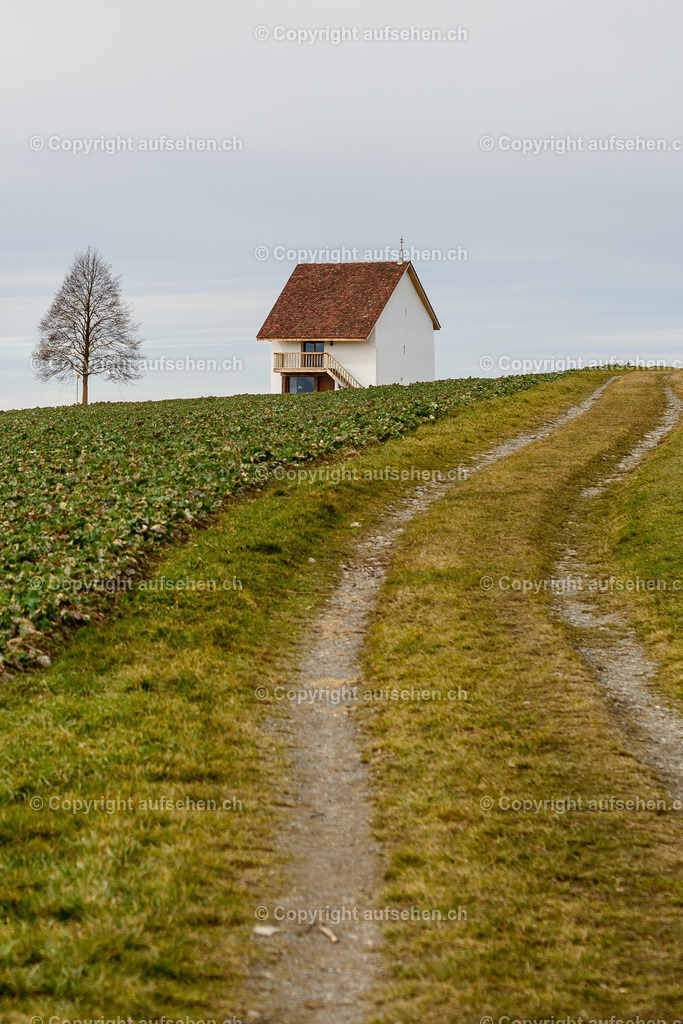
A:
87	492
124	893
149	775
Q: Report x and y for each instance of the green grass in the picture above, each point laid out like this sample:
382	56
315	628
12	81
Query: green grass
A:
87	493
637	535
571	913
129	911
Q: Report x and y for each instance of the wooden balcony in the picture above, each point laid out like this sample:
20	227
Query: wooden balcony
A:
314	362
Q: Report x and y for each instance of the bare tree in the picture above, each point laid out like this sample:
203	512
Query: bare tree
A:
88	330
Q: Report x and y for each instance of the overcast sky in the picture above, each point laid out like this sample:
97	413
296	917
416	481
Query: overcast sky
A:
345	144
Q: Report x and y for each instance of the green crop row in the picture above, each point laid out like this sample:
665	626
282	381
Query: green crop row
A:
87	492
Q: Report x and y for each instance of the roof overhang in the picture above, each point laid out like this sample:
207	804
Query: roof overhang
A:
302	341
423	295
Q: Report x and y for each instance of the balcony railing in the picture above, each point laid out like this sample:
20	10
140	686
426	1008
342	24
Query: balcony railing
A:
323	361
300	360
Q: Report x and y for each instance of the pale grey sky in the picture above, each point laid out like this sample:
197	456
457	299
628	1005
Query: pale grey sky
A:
350	144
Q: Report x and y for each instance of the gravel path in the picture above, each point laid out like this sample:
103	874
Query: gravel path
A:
327	975
620	664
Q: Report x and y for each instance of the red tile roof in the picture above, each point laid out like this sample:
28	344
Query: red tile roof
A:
336	300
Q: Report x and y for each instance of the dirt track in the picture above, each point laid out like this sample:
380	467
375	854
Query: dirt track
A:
328	833
610	648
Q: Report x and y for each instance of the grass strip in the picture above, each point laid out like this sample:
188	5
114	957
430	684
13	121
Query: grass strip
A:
636	539
125	909
570	909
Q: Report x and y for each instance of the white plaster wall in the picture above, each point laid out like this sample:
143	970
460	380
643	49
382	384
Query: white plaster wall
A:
280	346
404	324
400	349
358	357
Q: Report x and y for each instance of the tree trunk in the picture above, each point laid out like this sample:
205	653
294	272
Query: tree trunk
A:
84	399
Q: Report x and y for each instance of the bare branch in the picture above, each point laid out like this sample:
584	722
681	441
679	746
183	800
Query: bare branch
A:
89	330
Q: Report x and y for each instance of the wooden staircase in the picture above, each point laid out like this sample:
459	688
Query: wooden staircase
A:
284	361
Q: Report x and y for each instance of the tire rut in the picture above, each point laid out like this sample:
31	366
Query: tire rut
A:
324	976
610	647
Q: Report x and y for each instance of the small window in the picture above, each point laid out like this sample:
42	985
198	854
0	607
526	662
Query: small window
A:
301	385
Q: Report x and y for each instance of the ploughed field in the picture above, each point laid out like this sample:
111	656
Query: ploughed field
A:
85	493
